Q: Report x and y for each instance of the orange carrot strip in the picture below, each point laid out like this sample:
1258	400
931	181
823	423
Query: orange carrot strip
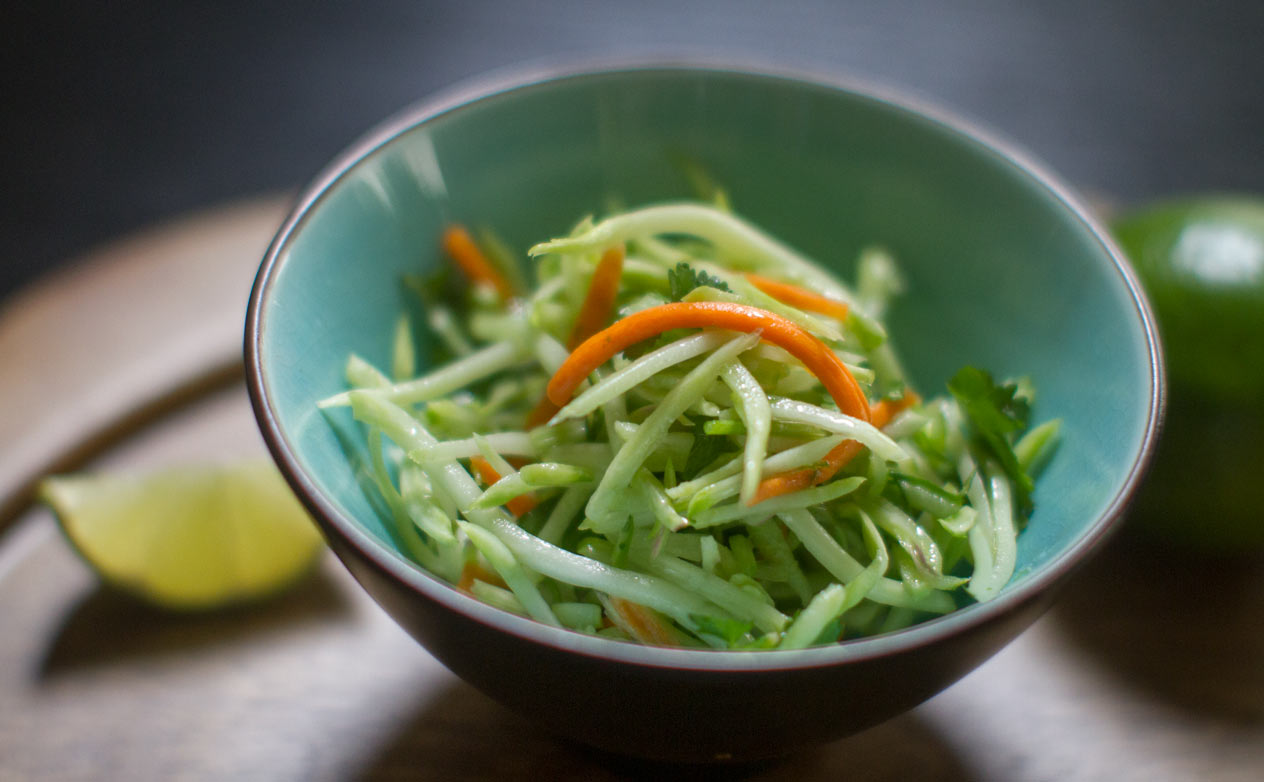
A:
486	472
797	296
541	413
886	409
593	315
518	506
599	303
461	247
522	505
814	354
783	483
802	478
642	623
639	326
474	571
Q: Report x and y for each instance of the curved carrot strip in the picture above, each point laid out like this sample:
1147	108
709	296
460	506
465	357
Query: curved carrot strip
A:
800	297
518	506
473	571
639	326
593	315
543	411
486	472
458	243
599	303
886	409
783	483
643	624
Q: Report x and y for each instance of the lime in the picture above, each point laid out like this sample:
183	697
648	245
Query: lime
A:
188	537
1201	261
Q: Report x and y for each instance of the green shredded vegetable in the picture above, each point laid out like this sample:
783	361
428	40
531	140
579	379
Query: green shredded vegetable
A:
657	504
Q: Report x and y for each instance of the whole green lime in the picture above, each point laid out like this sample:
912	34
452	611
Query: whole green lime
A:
1201	261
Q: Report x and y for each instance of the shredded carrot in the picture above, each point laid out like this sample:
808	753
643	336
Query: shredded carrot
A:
881	414
522	505
486	472
642	623
474	571
599	303
461	247
797	296
815	355
593	315
802	478
783	483
886	409
518	506
541	413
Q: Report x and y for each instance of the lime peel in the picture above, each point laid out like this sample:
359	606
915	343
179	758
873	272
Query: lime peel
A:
1201	261
190	537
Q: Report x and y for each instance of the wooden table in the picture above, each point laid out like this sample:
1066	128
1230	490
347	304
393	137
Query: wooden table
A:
1150	668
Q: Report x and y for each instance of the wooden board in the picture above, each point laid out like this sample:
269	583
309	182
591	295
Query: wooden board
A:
1150	668
121	334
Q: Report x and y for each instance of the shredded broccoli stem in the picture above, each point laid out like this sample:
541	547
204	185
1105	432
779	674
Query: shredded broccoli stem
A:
603	507
361	374
455	376
722	592
720	483
701	488
563	515
752	406
622	380
793	411
757	298
443	324
807	498
501	443
508	568
742	244
404	351
539	555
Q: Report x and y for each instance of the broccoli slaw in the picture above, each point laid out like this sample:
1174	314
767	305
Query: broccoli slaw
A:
688	434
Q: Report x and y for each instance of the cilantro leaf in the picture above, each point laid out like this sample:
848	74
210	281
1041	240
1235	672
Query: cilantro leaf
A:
995	413
992	407
684	278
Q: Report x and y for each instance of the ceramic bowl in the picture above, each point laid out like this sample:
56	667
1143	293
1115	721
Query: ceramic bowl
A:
1005	268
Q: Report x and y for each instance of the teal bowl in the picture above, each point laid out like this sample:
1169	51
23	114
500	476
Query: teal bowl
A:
1005	270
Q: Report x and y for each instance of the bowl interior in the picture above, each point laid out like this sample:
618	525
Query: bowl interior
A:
1001	272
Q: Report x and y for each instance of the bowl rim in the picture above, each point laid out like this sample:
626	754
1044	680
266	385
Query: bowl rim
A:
516	79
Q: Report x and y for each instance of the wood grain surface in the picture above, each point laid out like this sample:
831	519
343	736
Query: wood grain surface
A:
121	333
1151	667
1148	669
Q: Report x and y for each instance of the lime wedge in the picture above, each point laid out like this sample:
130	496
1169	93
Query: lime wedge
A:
193	537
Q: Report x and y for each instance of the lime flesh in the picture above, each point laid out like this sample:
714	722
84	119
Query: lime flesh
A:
193	537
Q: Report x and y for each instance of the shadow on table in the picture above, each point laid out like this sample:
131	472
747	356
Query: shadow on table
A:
463	734
107	627
1185	629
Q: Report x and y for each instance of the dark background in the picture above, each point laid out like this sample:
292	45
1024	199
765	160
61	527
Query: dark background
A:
117	115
